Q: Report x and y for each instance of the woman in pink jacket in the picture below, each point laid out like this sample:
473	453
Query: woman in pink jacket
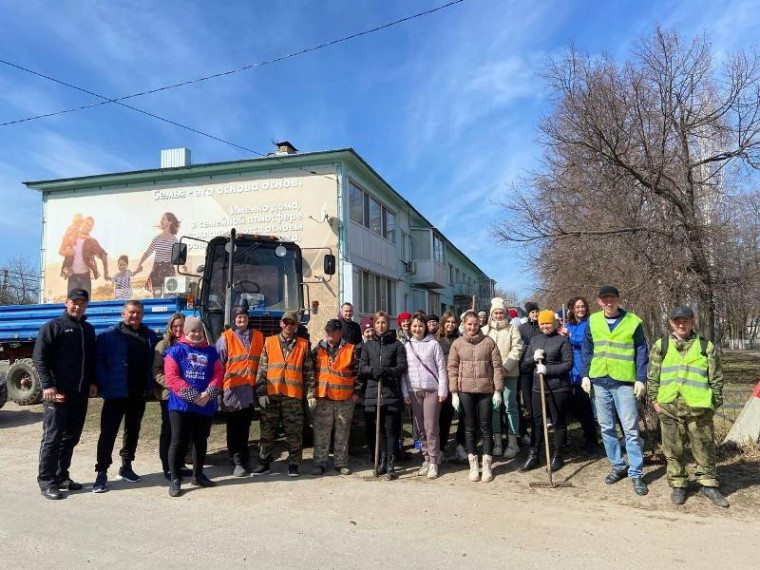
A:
425	388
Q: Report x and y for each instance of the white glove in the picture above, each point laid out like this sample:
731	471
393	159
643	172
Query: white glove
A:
541	369
539	354
455	401
586	385
639	389
263	401
497	399
312	403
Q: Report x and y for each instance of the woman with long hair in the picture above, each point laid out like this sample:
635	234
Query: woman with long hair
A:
448	332
161	248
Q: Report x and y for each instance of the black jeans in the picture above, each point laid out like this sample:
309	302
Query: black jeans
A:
478	410
61	429
556	404
580	403
131	410
165	437
526	389
187	426
444	422
390	424
238	433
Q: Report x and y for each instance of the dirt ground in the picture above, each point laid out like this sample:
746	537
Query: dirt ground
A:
340	522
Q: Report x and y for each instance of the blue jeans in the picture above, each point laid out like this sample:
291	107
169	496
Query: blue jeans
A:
613	397
509	396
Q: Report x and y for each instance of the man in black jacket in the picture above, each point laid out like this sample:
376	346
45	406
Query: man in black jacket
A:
64	358
350	331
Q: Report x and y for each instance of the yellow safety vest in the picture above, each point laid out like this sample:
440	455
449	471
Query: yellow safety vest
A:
687	375
614	352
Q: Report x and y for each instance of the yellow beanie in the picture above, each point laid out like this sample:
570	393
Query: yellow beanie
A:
546	317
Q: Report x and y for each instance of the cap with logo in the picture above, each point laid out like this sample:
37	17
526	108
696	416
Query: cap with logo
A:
75	294
333	325
681	313
290	316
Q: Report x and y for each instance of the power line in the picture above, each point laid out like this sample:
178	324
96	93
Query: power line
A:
107	101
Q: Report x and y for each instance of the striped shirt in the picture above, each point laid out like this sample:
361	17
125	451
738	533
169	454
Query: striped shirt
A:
123	285
162	248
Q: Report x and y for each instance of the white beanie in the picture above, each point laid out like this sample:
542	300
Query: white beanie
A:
191	323
497	303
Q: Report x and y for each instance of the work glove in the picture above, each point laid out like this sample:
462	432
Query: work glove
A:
377	372
539	354
541	369
455	401
639	389
497	399
312	402
586	384
263	401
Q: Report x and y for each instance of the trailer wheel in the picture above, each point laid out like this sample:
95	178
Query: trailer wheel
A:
24	385
3	394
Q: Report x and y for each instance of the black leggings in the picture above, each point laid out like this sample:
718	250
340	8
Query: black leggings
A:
526	389
165	438
556	404
478	409
238	433
187	426
390	424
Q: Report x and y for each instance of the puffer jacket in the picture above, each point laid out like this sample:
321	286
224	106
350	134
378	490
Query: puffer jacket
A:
558	358
509	341
576	332
167	341
475	365
423	357
382	358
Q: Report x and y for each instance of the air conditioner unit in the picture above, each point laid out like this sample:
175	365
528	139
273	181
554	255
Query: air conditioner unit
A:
411	266
176	285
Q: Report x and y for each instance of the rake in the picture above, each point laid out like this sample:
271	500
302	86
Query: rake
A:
551	484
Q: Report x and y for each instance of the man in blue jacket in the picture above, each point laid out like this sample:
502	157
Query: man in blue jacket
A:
123	362
614	359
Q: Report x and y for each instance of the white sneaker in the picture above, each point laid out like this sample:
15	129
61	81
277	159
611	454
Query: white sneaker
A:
424	469
474	475
512	448
433	471
461	453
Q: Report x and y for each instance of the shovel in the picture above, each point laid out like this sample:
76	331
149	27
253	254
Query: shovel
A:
551	484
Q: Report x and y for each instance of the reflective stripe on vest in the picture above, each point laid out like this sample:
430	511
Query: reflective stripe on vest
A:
687	375
335	381
242	364
285	377
614	351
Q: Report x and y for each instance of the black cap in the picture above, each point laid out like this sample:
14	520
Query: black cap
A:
433	318
78	294
333	325
530	306
608	291
681	313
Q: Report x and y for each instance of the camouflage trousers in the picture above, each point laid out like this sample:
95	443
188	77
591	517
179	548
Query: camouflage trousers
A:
291	411
678	421
331	414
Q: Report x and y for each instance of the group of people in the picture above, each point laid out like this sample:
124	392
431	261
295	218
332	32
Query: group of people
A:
597	364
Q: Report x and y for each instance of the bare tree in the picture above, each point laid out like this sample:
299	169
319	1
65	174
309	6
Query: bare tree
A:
19	282
638	156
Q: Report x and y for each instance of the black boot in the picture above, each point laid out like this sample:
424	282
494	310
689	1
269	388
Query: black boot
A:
382	465
531	462
390	472
557	462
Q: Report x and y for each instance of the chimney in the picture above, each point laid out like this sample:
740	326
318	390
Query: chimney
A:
285	147
175	157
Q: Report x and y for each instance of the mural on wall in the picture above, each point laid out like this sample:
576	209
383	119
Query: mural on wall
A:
117	244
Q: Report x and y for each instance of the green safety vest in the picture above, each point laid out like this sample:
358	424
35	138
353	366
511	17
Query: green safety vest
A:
686	376
614	353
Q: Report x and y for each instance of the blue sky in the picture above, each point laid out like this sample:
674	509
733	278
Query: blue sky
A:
445	107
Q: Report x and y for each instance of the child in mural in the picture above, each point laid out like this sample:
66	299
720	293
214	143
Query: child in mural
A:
79	265
161	246
122	281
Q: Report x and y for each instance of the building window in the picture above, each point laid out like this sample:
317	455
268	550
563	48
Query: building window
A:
378	293
451	273
457	281
438	250
356	203
389	225
373	214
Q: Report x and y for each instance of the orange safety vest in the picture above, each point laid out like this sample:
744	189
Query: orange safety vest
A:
285	377
242	364
335	381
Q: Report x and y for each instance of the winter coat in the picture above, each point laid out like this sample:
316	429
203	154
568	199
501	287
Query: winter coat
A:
475	365
528	330
64	354
385	358
167	341
191	370
575	336
350	331
558	358
446	342
510	345
112	362
424	357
